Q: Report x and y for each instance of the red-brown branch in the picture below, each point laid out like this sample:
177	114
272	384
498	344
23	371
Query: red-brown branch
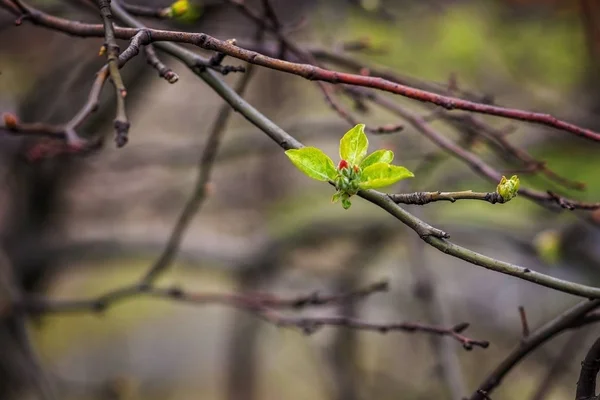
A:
310	72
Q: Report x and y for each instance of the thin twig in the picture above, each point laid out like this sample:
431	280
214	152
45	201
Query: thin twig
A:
33	304
570	319
421	198
121	123
345	114
311	325
67	131
264	307
524	323
353	63
586	385
199	193
163	71
498	139
275	27
271	15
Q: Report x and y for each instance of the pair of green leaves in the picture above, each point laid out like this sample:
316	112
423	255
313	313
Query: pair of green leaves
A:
356	171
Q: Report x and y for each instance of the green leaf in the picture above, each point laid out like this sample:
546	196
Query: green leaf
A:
313	162
336	197
379	175
379	156
354	145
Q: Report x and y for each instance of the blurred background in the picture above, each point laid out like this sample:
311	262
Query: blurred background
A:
75	226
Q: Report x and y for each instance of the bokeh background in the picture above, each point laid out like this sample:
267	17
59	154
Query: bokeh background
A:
77	226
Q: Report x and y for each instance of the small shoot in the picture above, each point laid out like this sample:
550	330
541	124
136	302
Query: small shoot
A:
508	188
356	171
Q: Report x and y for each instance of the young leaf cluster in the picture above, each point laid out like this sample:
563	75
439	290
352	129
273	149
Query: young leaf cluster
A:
355	171
508	188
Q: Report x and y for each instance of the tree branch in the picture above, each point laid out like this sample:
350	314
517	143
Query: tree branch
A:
421	198
560	364
572	318
263	306
586	385
310	72
121	123
38	305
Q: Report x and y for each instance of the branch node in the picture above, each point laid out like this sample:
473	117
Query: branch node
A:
176	292
382	286
99	306
460	328
122	129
